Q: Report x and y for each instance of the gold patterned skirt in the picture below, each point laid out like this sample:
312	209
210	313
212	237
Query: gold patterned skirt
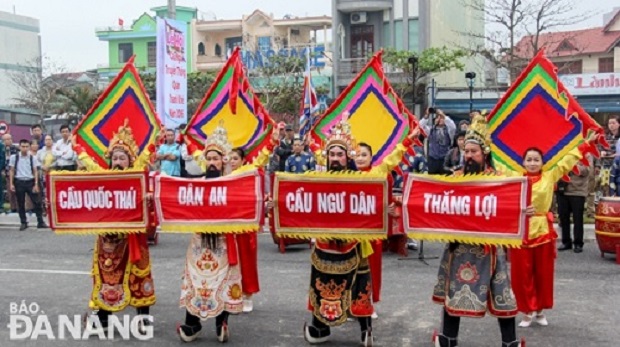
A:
119	282
340	284
473	280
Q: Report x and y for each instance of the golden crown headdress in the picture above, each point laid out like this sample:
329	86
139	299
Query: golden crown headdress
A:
340	135
479	133
123	140
218	141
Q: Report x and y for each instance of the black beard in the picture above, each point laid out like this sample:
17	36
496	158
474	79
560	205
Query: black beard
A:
118	167
471	167
335	166
213	172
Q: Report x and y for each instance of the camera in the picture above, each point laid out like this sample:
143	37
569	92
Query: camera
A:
431	110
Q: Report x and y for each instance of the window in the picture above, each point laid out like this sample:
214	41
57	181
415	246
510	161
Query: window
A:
362	41
570	67
152	54
264	44
125	51
201	48
233	42
398	35
218	50
387	42
606	64
414	35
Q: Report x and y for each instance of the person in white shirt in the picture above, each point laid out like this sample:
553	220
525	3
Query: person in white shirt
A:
63	151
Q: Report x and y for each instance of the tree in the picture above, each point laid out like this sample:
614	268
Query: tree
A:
35	91
430	61
507	21
77	100
280	83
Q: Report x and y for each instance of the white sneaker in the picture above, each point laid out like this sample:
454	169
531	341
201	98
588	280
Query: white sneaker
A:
526	321
541	319
248	306
374	315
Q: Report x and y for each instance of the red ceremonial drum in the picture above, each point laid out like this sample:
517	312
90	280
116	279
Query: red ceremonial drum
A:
607	226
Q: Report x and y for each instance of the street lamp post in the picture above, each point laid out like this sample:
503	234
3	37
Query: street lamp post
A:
413	60
471	79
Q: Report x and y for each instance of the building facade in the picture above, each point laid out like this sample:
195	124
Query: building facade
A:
260	36
20	44
139	38
364	27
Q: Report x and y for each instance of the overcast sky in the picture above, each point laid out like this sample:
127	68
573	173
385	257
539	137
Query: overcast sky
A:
68	26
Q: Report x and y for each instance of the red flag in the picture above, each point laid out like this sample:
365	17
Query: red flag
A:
121	21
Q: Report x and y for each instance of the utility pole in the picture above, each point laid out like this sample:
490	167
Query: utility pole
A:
172	9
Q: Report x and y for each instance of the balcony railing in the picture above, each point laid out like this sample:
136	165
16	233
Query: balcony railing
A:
349	68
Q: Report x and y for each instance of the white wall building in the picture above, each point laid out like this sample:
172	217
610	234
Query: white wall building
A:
20	43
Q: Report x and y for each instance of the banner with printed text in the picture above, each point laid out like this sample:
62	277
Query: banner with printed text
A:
172	72
349	206
229	204
470	209
97	203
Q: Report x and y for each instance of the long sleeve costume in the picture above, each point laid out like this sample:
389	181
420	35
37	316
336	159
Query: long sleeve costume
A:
340	280
121	263
217	274
533	266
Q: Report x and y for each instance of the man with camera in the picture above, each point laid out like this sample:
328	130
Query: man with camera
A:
440	129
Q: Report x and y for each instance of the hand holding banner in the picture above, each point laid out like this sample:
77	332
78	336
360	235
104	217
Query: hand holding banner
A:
97	203
470	209
349	206
229	204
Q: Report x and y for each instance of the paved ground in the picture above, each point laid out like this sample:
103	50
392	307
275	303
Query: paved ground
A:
585	314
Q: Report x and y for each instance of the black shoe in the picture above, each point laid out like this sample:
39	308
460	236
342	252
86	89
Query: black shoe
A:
42	225
189	333
23	227
565	247
578	249
316	336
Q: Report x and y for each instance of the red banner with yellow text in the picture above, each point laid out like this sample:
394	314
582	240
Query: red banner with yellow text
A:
97	202
477	209
229	204
349	206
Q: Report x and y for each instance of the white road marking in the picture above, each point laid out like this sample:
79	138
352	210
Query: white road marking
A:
59	272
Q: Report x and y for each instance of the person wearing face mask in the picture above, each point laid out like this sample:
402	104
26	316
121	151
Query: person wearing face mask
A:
532	269
121	263
213	280
340	275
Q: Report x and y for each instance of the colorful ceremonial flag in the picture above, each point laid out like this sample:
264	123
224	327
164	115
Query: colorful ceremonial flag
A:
309	103
231	100
125	98
376	114
538	111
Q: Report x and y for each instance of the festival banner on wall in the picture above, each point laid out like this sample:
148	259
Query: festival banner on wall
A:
229	204
539	105
232	103
349	206
97	203
476	209
124	101
172	72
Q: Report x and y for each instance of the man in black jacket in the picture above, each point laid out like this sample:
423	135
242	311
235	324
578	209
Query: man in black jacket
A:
285	149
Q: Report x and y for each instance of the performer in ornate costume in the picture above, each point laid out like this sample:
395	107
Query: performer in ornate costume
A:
213	280
474	279
340	279
532	266
121	263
